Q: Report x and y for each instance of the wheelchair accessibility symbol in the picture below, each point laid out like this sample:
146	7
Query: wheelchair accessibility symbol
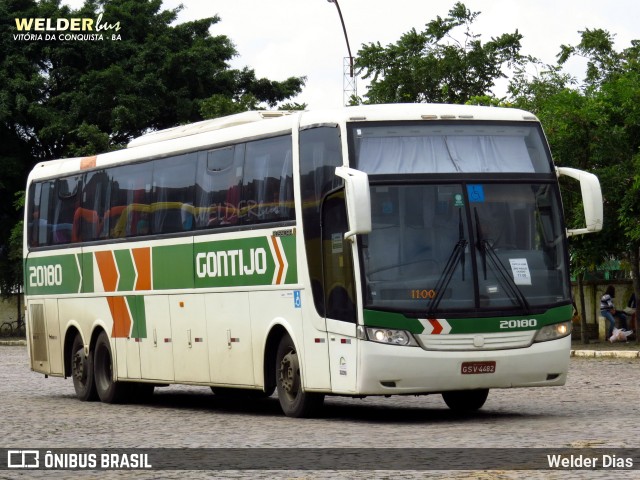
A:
297	301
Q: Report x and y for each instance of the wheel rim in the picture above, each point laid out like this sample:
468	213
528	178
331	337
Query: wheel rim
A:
290	374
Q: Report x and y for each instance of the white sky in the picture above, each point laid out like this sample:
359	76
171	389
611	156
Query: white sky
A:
283	38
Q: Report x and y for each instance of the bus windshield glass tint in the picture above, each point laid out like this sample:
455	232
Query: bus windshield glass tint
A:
442	248
479	147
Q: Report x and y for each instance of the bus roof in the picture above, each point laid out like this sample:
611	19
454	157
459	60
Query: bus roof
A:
254	124
206	126
415	111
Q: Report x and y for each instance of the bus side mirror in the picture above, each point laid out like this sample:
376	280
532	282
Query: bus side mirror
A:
358	200
591	199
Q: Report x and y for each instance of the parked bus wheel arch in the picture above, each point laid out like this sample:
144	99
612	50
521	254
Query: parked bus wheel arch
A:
270	351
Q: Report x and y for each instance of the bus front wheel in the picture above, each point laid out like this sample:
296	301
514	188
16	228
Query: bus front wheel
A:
465	401
108	390
82	371
294	401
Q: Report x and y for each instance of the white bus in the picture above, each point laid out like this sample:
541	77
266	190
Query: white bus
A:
372	250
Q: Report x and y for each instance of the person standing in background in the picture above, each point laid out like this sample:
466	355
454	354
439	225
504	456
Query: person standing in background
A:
608	310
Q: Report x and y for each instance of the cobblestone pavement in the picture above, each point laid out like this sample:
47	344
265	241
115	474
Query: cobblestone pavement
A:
599	407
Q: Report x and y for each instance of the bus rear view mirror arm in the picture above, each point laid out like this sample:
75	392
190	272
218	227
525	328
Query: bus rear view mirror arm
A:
591	199
358	200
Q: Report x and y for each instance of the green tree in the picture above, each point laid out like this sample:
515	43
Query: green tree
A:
432	66
594	126
67	98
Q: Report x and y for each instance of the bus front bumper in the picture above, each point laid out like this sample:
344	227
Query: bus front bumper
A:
393	370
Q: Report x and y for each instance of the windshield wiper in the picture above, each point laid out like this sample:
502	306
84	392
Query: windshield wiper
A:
457	256
506	281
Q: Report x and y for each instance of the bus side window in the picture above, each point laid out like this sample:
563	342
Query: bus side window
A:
40	213
173	192
87	221
130	190
218	180
33	217
66	202
268	180
320	154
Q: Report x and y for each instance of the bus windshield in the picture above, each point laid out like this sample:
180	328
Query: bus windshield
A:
460	241
445	247
450	147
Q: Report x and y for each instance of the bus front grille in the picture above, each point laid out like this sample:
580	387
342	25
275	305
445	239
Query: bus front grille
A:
477	342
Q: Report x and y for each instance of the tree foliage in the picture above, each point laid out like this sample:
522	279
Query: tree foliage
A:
595	126
433	66
592	124
66	98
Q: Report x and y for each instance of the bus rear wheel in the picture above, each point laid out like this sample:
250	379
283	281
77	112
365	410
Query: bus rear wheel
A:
466	401
108	390
294	401
82	371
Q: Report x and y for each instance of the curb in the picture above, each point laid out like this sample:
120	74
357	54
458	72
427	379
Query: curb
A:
13	343
574	353
605	353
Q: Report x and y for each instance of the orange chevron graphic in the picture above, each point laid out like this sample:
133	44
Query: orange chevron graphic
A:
117	305
142	259
108	270
121	318
276	248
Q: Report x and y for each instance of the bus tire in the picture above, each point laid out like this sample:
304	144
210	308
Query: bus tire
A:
108	390
466	401
294	401
82	371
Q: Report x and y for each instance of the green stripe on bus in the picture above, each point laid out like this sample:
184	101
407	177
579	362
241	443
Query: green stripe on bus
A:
56	274
87	272
136	306
289	245
172	266
234	263
246	262
126	270
375	318
264	260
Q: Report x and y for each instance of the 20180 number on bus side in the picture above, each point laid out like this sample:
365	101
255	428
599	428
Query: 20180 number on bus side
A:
372	250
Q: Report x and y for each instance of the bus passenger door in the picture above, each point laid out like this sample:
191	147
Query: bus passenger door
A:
229	329
156	350
189	332
340	294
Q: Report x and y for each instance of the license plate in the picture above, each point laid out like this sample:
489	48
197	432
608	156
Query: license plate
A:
474	368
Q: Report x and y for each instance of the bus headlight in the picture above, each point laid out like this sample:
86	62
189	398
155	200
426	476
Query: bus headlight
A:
553	332
391	337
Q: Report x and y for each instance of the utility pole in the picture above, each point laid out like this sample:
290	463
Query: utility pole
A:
349	84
